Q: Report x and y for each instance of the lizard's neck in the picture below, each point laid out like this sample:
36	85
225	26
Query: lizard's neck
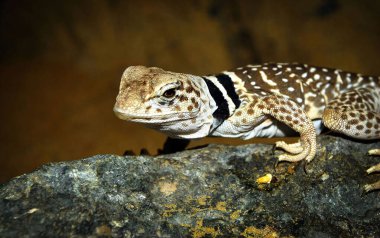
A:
223	98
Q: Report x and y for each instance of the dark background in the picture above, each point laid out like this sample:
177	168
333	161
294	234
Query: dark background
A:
61	61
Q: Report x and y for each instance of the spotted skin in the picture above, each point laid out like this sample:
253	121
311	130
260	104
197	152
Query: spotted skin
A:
274	99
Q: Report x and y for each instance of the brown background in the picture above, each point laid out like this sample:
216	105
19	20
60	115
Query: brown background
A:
61	61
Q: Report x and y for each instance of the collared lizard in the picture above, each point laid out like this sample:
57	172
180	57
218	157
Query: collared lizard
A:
269	100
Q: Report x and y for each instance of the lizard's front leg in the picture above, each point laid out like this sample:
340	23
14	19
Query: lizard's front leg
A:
288	112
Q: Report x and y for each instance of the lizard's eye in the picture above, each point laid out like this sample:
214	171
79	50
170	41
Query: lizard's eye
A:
169	93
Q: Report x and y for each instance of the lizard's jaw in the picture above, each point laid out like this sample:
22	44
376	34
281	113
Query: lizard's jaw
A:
153	119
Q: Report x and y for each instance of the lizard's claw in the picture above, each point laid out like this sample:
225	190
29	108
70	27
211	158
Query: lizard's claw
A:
373	169
296	152
305	164
275	165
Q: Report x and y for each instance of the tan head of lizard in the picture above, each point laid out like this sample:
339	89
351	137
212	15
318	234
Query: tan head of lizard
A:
167	101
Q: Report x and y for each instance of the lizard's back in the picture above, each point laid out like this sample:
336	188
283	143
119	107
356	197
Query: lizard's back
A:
312	88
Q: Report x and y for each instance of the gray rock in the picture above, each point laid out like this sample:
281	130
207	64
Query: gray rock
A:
202	192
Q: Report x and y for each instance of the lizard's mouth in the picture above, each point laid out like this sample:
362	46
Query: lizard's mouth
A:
149	118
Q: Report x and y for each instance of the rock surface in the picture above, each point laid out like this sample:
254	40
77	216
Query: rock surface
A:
208	192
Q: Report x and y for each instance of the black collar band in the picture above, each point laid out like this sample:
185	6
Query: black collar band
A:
222	111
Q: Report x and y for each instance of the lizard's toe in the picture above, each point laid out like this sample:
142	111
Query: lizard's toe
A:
375	168
294	158
374	152
304	148
372	187
295	148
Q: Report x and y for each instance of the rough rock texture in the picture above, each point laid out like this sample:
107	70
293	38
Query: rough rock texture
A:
204	192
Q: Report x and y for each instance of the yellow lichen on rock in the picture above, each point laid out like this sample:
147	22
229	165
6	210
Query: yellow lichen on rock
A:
221	206
200	231
202	200
235	215
266	232
170	209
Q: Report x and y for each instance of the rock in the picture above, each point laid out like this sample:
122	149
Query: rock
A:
202	192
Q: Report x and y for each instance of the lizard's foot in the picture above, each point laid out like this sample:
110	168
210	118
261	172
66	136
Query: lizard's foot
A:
294	149
303	150
373	169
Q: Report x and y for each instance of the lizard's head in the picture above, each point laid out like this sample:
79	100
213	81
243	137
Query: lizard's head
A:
160	99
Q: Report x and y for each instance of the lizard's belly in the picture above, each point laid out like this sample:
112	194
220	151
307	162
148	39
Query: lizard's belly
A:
268	128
